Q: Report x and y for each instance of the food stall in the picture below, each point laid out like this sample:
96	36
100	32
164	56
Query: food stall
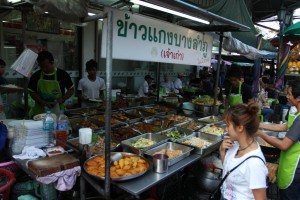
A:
116	45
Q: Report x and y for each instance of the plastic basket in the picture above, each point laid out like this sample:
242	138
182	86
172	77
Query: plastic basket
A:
11	166
7	178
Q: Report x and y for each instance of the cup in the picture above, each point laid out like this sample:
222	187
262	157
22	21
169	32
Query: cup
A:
160	163
85	135
284	113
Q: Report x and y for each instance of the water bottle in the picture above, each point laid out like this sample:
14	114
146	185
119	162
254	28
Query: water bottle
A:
48	126
62	129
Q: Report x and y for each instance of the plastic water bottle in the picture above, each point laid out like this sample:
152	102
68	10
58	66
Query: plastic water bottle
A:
48	125
62	129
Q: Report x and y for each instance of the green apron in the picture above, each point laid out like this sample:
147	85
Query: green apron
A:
288	162
48	90
237	98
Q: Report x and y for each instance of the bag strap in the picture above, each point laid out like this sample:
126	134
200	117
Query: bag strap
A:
229	172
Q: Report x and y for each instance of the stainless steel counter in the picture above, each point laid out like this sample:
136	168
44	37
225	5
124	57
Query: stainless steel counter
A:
149	179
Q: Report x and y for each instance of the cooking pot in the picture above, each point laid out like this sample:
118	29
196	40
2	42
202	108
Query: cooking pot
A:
205	109
208	180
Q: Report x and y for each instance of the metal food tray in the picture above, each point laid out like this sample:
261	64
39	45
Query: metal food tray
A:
211	119
118	122
130	120
223	126
121	178
186	151
131	111
152	128
181	125
127	144
215	140
163	122
184	132
75	127
74	142
83	111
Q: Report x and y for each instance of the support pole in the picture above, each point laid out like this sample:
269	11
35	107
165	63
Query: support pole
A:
218	75
158	81
108	102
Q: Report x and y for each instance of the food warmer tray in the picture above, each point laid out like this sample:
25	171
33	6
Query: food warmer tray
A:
74	142
143	127
185	125
134	114
121	178
214	139
162	123
186	151
183	132
114	121
211	119
76	123
130	119
83	111
211	129
157	138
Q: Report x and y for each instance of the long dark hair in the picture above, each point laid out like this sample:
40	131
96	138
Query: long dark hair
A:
244	115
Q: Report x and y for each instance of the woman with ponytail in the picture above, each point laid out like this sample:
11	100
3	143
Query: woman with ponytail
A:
248	180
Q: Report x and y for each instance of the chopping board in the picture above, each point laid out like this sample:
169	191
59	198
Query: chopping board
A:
50	165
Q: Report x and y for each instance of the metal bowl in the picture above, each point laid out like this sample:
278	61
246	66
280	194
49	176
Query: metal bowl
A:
206	108
120	178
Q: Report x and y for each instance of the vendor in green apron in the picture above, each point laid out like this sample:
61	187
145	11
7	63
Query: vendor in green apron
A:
47	86
237	91
288	177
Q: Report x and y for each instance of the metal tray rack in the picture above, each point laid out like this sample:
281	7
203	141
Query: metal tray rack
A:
158	139
186	151
213	139
134	114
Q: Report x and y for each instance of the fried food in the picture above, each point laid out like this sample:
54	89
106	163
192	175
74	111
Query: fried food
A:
127	166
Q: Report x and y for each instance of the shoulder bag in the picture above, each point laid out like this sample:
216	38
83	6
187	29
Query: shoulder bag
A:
215	195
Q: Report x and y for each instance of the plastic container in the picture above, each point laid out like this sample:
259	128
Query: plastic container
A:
18	142
46	191
7	180
62	129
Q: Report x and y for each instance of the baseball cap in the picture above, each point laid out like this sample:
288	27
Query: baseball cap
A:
148	77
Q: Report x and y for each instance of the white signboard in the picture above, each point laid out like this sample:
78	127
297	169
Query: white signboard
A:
136	37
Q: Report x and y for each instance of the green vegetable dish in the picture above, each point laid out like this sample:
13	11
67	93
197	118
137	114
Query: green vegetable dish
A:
175	135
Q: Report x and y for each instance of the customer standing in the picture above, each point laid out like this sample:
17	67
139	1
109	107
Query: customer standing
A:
178	84
288	177
248	181
92	86
47	86
237	91
145	88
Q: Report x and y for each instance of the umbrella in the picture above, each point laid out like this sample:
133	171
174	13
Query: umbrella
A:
293	29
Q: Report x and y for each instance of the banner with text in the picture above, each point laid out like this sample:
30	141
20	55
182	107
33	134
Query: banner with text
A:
136	37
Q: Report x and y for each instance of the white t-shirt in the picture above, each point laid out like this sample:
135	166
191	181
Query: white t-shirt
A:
91	89
168	86
252	174
177	85
144	89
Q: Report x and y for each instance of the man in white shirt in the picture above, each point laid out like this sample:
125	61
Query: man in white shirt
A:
167	85
178	84
144	88
91	87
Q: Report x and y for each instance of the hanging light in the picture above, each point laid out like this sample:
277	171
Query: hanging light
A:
167	10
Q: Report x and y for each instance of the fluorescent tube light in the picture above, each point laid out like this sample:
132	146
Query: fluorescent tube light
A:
149	5
14	1
91	14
